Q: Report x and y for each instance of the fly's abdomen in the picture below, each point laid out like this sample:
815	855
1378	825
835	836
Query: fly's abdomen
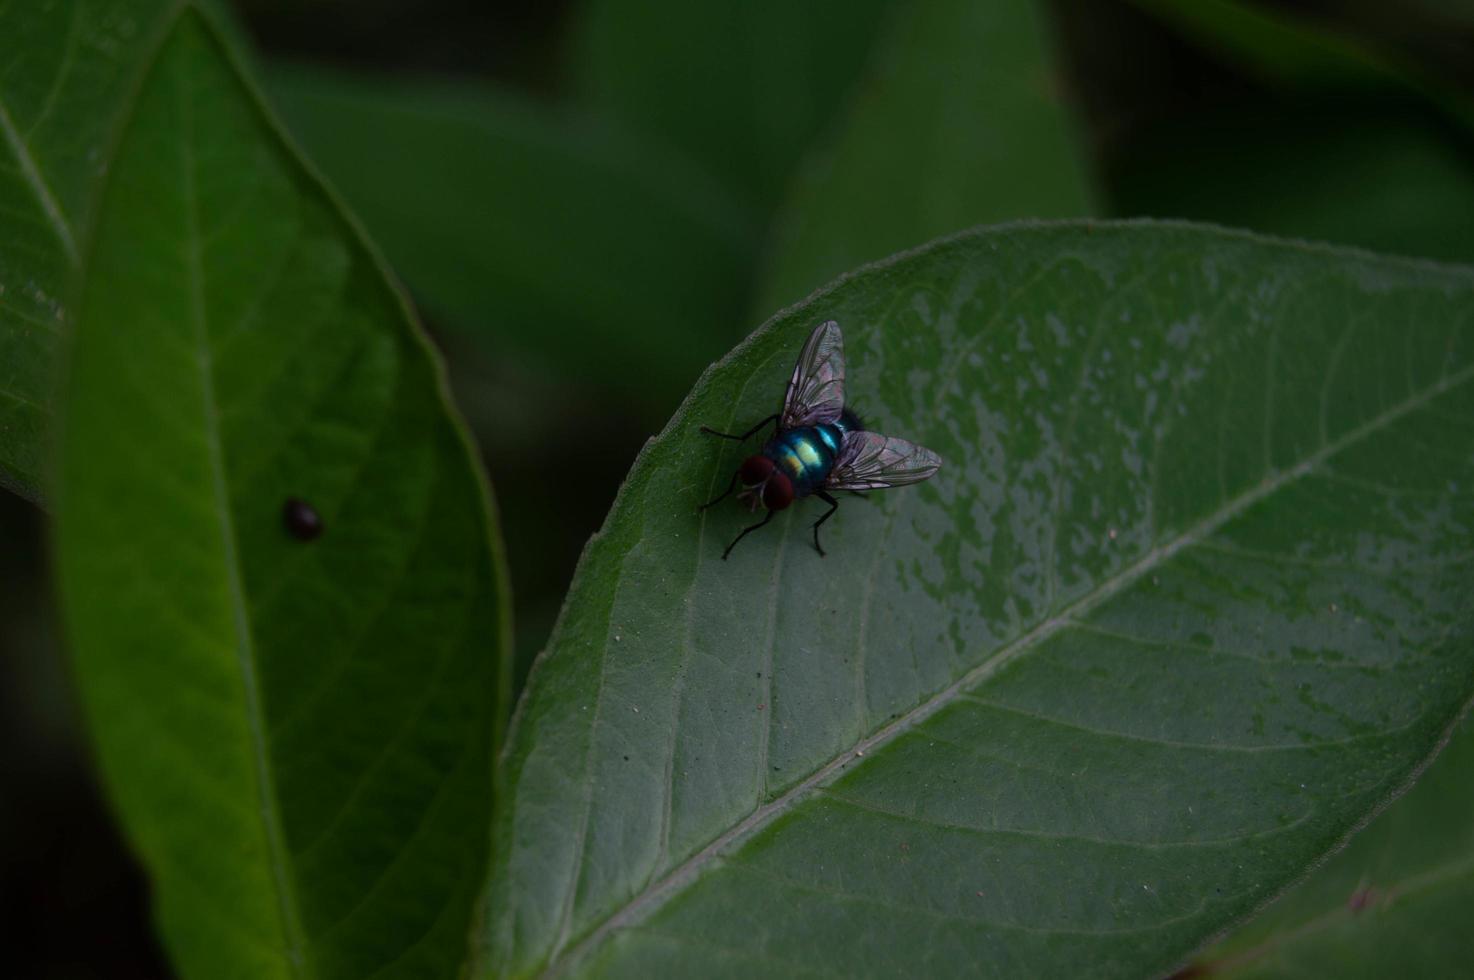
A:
806	455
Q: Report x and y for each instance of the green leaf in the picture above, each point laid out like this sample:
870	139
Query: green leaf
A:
743	88
1287	49
1187	602
1395	902
65	74
1373	175
298	735
534	228
1272	44
960	124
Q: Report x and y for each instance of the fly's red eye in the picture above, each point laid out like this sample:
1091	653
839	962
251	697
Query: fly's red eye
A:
778	493
755	469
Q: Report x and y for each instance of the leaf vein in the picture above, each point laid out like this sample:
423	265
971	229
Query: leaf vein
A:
1047	835
32	175
1193	746
932	913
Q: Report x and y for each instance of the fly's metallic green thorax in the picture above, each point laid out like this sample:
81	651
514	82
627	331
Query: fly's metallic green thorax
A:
806	454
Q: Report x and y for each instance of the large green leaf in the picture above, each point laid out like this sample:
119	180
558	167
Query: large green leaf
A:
535	228
1187	603
742	88
960	124
297	734
1395	902
66	70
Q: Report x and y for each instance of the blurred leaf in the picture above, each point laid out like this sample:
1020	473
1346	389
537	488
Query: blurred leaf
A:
959	124
1288	49
1188	602
743	88
1395	902
65	72
533	228
297	734
1274	44
1446	13
1373	175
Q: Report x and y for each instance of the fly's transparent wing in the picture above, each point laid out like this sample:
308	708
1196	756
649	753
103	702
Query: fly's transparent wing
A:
870	461
816	391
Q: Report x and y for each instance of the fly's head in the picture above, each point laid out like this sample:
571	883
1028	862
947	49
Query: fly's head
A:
763	484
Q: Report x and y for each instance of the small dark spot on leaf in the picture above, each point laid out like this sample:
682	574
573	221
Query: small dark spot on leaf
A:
301	519
626	758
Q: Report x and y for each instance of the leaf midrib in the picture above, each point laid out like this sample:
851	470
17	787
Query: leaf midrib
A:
245	648
659	890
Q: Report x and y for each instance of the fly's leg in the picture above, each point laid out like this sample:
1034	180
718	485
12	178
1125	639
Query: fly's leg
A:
833	506
725	493
746	435
742	438
745	532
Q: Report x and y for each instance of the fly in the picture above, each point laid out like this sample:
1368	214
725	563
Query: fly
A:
818	445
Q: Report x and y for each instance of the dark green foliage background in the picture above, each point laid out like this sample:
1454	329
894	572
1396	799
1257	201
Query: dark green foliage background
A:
590	202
